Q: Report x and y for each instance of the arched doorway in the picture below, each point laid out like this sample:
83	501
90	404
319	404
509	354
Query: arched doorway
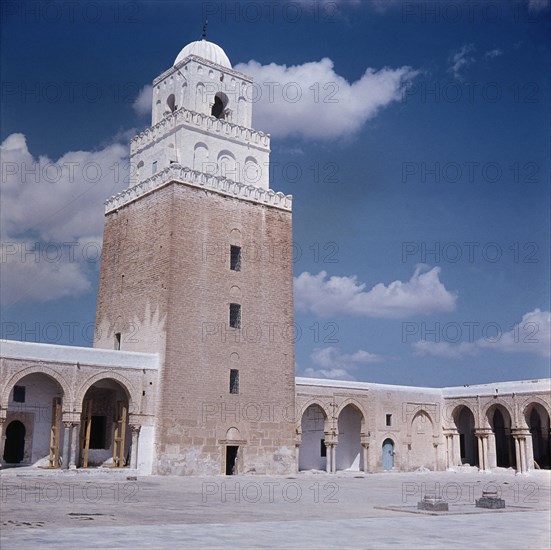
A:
233	438
538	423
388	454
464	422
349	454
14	449
35	400
104	433
312	455
420	449
501	426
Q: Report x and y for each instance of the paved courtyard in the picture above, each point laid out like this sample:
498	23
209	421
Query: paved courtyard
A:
114	509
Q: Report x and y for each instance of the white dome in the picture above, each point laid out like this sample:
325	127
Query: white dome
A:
206	50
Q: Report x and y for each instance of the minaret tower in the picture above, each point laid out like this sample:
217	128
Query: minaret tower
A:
197	266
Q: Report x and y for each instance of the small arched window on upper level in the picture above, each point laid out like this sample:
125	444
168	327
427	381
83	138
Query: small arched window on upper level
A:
219	106
171	102
139	168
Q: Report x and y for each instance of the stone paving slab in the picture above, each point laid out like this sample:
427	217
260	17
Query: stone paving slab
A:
453	532
348	510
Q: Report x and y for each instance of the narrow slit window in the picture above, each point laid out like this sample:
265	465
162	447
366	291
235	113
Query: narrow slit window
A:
117	340
323	448
154	167
389	420
235	315
235	258
234	381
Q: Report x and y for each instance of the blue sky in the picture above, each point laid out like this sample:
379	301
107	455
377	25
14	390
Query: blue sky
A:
417	155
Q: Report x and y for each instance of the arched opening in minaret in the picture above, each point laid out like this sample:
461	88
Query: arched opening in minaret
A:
171	102
220	103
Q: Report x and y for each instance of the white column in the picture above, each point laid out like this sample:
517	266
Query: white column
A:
529	452
334	458
456	449
522	444
517	454
328	466
2	422
66	444
365	449
134	446
74	445
490	448
481	463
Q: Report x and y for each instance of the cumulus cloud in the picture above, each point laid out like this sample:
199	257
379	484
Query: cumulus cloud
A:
496	52
531	335
142	103
312	101
538	5
326	296
52	218
460	60
333	364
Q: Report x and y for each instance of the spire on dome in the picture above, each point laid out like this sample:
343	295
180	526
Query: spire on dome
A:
204	33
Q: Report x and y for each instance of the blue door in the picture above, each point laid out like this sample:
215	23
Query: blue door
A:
388	454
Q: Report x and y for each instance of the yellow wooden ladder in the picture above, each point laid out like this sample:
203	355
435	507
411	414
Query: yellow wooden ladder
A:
85	429
119	435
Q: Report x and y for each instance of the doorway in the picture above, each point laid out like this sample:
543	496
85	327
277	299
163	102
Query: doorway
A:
231	460
388	454
14	449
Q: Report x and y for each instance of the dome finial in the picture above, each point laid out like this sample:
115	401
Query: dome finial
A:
204	33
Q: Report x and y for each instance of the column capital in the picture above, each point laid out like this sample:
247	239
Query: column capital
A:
520	432
135	428
69	416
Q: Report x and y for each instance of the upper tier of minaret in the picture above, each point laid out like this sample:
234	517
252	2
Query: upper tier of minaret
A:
201	121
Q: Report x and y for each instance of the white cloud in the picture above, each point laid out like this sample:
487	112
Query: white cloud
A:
531	335
57	204
40	281
421	295
332	374
538	5
312	101
460	60
496	52
445	350
142	103
336	365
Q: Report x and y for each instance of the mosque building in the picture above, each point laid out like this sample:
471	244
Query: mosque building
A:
192	370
